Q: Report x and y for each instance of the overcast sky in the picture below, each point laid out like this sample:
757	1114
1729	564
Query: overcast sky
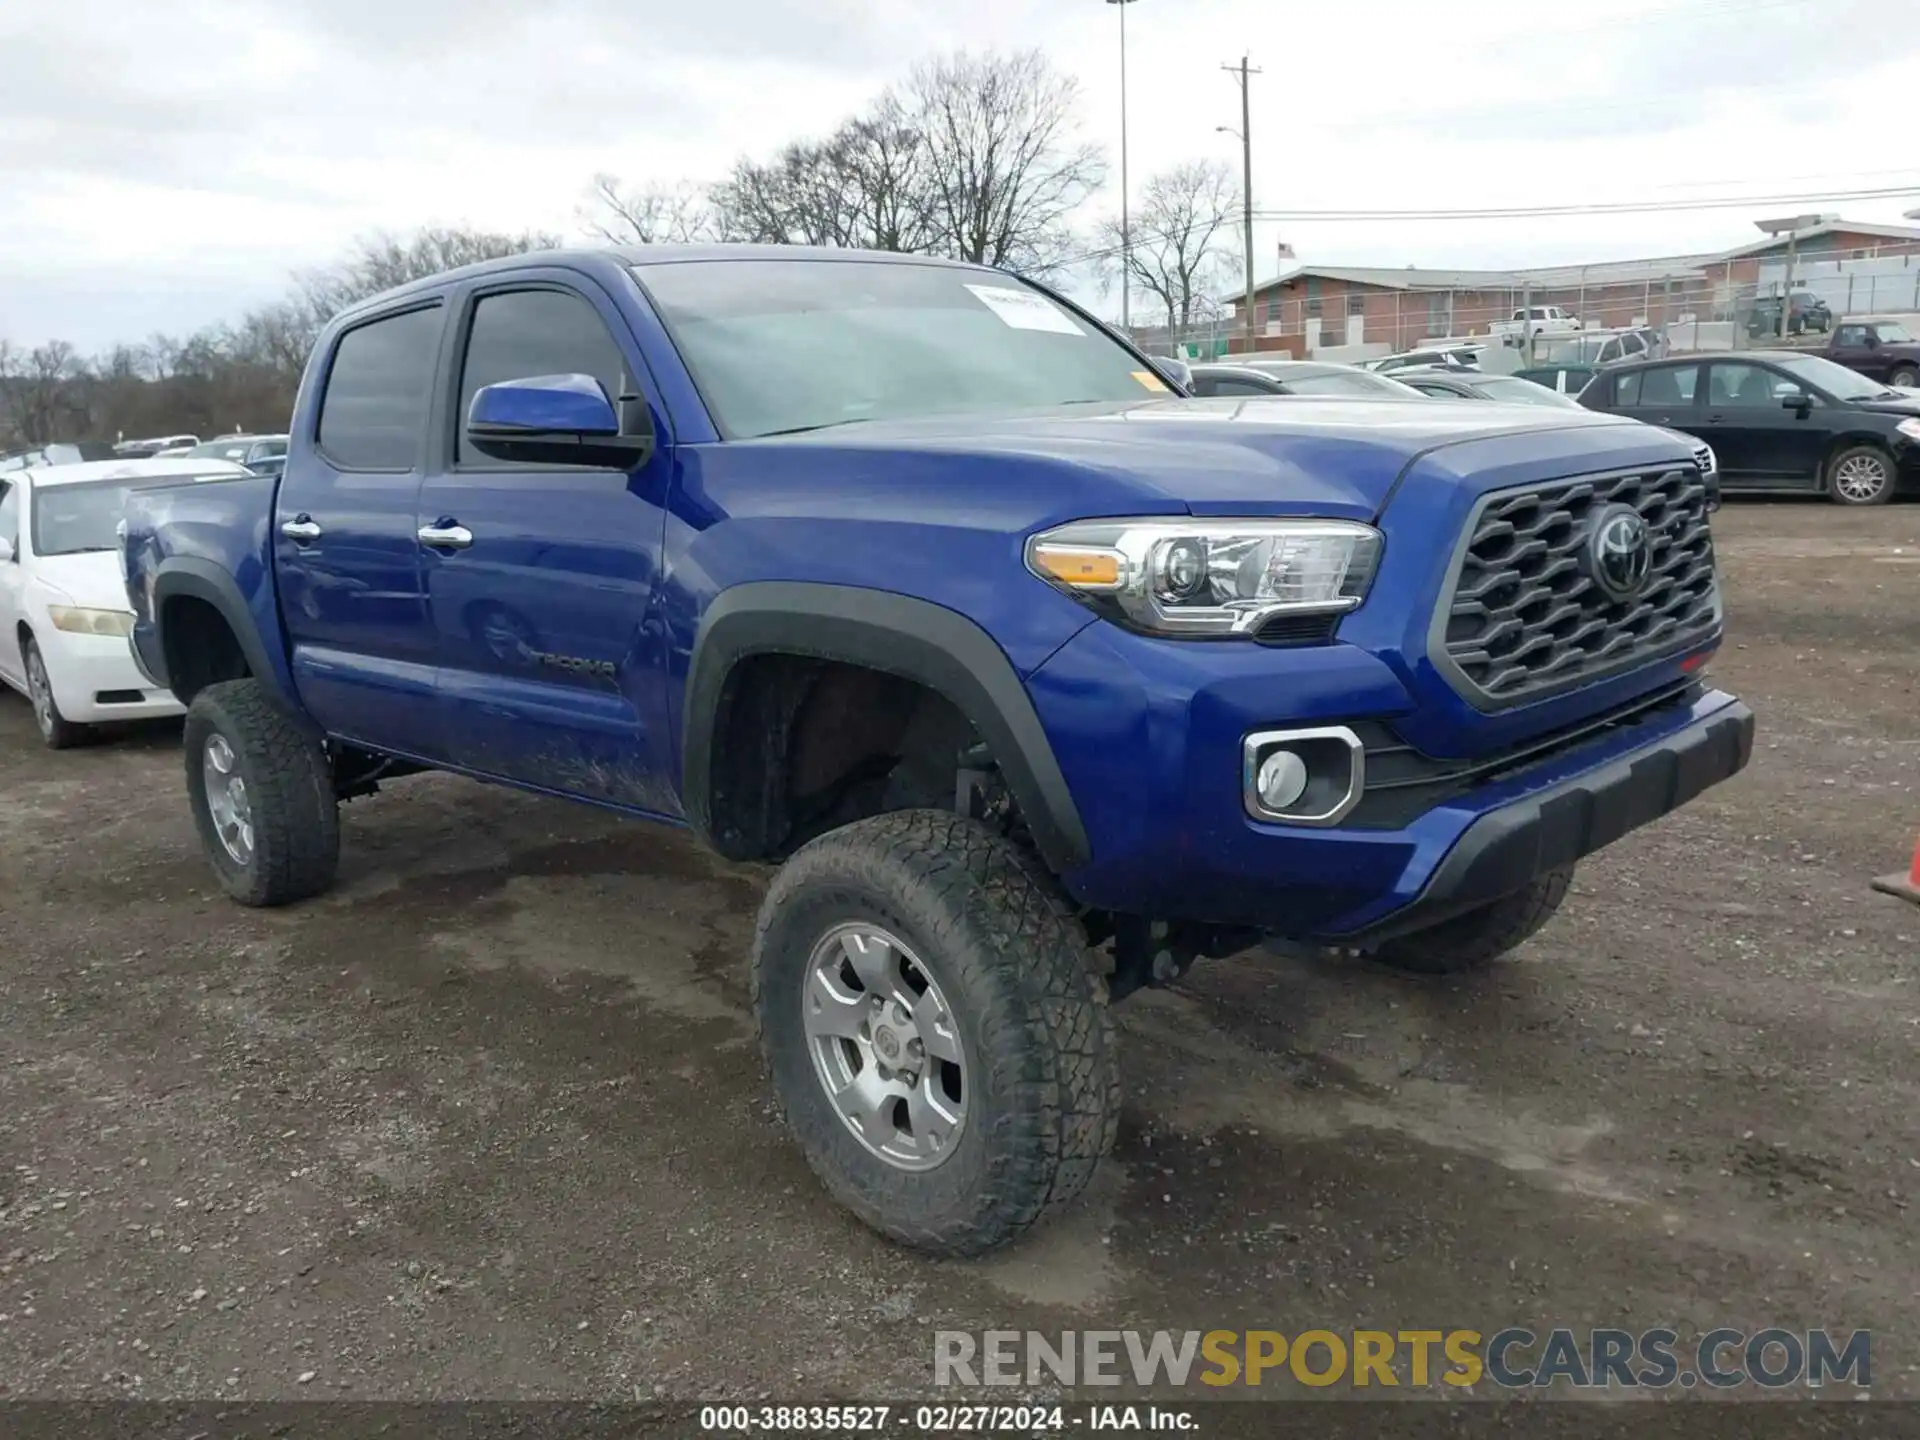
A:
164	166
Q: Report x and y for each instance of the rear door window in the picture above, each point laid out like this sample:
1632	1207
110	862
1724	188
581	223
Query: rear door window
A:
374	411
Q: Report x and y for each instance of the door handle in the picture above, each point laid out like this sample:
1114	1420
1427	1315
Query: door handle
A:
301	529
446	537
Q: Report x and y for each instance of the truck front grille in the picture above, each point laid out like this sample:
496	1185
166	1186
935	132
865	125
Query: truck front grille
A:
1527	617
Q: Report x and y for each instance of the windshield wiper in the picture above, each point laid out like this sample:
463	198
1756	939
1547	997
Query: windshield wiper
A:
809	429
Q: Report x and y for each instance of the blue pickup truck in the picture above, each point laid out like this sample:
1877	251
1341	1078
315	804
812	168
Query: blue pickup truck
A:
1036	678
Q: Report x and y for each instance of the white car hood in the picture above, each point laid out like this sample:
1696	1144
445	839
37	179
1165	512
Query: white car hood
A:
91	579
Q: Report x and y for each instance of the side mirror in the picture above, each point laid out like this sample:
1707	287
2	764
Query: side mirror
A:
6	550
1870	340
1797	401
1175	373
558	420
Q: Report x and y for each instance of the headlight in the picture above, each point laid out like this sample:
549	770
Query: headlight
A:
76	621
1909	428
1205	577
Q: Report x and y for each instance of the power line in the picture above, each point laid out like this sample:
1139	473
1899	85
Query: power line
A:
1624	207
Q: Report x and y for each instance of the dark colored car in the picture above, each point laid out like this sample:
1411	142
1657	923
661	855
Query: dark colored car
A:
1807	312
1878	349
1507	389
1777	421
1295	377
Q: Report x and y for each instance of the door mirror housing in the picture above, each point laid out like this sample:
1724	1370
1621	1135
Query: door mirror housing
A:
1871	340
559	420
1797	401
1175	373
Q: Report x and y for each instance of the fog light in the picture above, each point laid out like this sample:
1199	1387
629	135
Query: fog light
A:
1283	779
1302	777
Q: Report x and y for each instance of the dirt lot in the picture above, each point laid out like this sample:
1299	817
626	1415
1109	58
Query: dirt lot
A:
486	1121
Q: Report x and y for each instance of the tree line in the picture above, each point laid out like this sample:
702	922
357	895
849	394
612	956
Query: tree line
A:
977	157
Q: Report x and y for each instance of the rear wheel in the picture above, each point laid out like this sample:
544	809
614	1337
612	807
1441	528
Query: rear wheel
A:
56	730
262	796
939	1043
1861	475
1479	937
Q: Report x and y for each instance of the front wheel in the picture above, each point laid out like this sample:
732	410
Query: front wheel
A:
262	796
938	1040
1861	475
1906	376
58	732
1479	937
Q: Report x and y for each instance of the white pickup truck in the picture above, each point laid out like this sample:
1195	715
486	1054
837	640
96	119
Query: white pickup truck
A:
1537	320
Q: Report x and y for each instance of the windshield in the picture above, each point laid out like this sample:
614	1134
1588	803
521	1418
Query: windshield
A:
234	450
1342	382
1836	380
1892	333
72	519
779	346
1515	391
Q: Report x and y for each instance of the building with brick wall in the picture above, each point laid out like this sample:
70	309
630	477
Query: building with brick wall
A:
1331	307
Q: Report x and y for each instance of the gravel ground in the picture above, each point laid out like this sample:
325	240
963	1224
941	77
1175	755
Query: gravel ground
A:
487	1119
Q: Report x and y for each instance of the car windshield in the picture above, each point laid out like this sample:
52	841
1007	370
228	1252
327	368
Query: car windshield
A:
1836	380
1346	382
1515	391
781	346
1892	333
72	519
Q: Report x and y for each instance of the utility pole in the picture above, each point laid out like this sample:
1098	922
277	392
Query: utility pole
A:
1126	225
1242	72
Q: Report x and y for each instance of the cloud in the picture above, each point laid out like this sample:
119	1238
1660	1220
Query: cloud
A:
194	153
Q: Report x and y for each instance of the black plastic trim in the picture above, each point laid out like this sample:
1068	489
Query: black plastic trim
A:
1504	850
914	639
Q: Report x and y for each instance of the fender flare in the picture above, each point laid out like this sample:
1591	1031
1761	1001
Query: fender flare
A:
186	575
914	639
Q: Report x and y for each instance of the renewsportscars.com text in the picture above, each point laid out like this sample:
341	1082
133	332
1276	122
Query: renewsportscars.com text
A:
1509	1359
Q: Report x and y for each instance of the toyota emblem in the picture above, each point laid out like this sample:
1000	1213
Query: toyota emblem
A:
1620	552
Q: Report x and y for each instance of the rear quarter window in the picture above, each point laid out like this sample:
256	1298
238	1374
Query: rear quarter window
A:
373	413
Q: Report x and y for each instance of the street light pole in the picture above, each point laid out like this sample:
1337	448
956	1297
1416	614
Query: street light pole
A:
1126	227
1242	71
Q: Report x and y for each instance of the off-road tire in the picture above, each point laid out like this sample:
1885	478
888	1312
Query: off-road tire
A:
296	818
1882	496
56	731
1906	375
1479	937
991	928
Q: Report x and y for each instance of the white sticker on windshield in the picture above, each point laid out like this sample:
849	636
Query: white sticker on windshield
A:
1024	310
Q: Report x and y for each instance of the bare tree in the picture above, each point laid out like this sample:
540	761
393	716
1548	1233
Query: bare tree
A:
1005	166
645	215
381	261
1181	240
865	185
43	408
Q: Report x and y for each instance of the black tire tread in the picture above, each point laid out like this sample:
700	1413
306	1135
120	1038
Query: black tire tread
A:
1059	1048
296	817
1479	937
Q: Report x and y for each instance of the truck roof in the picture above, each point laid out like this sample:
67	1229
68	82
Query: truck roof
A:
595	257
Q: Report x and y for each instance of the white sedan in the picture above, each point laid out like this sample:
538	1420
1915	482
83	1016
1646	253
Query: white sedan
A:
64	620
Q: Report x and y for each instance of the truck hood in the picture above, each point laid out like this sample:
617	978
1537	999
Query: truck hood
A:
90	579
1271	455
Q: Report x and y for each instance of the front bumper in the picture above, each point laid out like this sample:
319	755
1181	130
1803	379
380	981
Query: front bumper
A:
95	680
1148	736
1506	848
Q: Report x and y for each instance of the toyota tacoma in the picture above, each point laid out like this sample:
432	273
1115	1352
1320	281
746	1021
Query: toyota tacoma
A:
1036	678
